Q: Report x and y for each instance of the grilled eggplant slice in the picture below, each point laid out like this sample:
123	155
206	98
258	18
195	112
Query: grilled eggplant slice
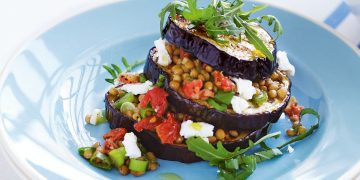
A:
224	120
221	57
173	152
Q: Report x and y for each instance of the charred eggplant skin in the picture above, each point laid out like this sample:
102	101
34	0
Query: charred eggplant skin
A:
208	53
219	119
172	152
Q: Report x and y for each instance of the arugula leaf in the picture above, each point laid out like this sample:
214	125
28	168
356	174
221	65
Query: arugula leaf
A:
115	70
207	151
111	71
254	39
171	8
267	154
272	20
311	130
221	25
246	14
217	106
197	15
248	165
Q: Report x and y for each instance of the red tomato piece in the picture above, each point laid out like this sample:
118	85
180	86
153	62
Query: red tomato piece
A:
192	89
115	135
183	54
148	123
169	130
293	110
223	82
157	99
108	146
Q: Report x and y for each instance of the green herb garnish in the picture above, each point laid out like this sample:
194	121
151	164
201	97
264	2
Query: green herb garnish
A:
217	106
261	98
223	18
115	70
224	97
237	164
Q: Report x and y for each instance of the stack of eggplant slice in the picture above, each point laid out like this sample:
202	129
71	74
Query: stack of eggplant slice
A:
233	88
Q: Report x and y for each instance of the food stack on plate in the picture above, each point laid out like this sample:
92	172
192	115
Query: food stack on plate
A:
210	75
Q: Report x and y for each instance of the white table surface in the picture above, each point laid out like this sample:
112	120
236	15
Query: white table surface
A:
22	20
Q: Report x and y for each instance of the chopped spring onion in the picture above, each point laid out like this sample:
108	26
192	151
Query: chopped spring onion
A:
128	97
127	106
118	156
86	152
261	98
100	160
138	165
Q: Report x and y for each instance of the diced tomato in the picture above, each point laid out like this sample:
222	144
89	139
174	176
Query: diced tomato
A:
183	54
109	145
293	110
169	130
128	78
223	82
112	138
115	135
148	123
157	99
205	94
192	89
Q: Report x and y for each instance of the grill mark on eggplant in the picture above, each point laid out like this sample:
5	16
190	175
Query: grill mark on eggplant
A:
208	53
219	119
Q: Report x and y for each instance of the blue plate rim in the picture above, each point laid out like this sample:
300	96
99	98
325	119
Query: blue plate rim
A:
25	171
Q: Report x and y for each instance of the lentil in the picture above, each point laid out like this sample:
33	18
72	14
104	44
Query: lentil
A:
209	85
150	156
233	133
220	134
87	118
174	85
272	94
282	93
124	170
137	173
153	166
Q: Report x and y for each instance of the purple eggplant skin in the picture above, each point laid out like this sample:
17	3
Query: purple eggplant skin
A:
223	120
208	53
172	152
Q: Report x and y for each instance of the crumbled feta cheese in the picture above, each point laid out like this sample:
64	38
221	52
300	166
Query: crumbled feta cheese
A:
239	104
200	129
97	113
284	64
282	116
163	56
131	147
244	88
137	88
290	149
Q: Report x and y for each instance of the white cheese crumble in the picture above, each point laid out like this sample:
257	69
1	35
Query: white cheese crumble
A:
164	57
290	149
239	104
137	88
131	147
199	129
245	88
282	116
97	113
284	64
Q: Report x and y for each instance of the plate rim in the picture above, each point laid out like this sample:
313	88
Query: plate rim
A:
15	162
